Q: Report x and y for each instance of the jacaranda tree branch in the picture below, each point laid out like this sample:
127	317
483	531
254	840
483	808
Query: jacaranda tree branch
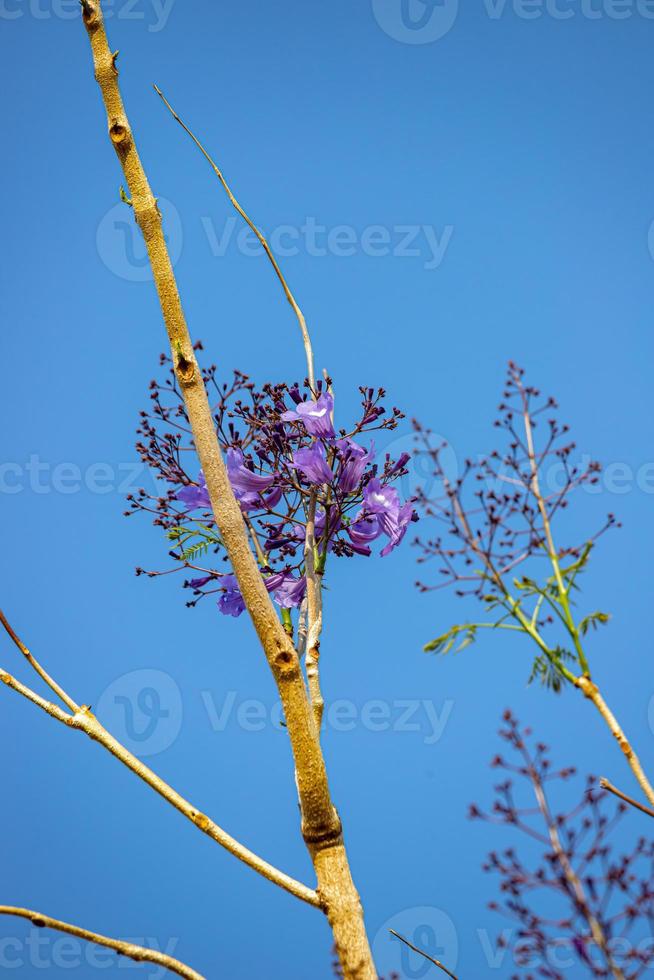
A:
321	825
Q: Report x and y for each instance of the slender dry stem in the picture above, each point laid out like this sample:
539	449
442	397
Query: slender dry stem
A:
83	720
610	788
421	952
257	231
140	954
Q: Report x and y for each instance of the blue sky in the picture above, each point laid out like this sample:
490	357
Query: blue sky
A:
451	195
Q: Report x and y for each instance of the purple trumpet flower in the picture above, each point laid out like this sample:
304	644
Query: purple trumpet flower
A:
312	463
291	592
242	478
195	496
362	531
394	518
231	603
247	485
199	583
286	590
332	525
316	416
354	460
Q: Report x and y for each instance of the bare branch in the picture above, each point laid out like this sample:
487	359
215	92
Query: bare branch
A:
139	953
422	953
264	244
605	784
83	720
59	691
592	692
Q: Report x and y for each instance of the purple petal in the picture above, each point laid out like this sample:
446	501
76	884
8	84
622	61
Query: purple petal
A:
312	463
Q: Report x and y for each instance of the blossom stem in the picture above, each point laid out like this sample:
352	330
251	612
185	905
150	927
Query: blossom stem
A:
262	239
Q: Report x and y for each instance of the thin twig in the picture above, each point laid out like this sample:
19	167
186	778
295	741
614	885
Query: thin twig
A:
605	784
571	877
264	244
422	953
139	953
314	616
59	691
83	720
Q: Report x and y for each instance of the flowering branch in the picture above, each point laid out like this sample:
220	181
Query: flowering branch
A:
508	523
313	578
321	826
140	954
83	720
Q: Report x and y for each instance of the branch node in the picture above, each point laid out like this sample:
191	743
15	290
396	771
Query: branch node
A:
120	136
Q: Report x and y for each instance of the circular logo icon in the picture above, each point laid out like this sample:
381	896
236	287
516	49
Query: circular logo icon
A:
650	239
416	21
143	709
121	246
427	928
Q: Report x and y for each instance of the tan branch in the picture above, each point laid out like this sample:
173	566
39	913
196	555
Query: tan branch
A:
59	691
421	952
321	826
83	720
610	788
308	350
139	953
314	616
593	694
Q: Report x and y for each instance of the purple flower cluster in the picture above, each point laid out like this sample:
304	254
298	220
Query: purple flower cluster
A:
284	459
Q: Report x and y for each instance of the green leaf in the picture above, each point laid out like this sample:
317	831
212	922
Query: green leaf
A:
548	670
124	198
593	621
443	644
